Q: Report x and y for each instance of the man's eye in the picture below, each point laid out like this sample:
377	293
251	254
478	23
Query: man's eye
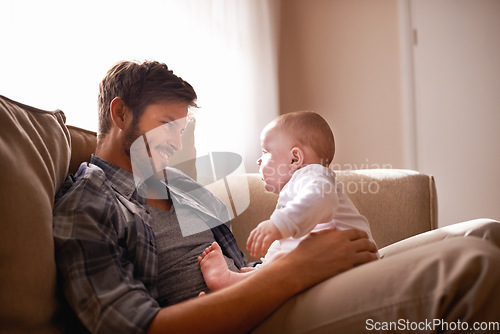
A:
168	124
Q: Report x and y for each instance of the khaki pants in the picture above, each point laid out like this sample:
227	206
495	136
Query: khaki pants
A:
450	275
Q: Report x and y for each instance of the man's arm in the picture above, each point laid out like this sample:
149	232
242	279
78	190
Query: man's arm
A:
243	306
106	290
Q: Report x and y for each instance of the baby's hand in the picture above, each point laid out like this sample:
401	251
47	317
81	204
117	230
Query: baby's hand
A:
262	237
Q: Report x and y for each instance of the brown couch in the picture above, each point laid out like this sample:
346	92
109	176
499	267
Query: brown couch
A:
37	151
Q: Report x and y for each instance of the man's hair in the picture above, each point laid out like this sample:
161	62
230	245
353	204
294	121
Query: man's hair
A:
140	85
307	128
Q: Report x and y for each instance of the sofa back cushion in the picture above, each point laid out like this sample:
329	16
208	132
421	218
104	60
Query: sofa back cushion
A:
83	143
35	152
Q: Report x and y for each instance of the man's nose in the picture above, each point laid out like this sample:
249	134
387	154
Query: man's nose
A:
176	143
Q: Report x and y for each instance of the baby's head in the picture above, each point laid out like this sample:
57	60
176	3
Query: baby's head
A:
292	141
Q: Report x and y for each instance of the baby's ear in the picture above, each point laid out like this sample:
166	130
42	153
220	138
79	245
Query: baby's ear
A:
297	158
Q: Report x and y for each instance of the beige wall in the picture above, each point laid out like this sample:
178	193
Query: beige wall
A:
341	59
433	106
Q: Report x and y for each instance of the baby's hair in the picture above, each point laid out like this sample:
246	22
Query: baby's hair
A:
308	128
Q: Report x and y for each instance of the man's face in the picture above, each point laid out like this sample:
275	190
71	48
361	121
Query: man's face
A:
276	159
155	138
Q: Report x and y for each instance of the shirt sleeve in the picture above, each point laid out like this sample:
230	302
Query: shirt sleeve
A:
313	200
98	276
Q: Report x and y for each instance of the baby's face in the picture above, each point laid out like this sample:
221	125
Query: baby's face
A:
275	162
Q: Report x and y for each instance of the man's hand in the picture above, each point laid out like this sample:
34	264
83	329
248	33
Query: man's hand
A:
328	253
262	237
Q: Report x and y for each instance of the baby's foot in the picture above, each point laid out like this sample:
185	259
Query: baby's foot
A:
214	268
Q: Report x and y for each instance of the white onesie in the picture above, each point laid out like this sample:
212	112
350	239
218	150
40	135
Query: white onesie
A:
312	200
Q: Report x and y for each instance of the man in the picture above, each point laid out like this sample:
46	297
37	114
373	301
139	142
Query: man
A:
125	265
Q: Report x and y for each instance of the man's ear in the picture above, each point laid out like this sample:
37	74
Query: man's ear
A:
297	158
119	112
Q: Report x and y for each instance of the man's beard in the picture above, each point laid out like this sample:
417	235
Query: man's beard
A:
131	134
144	172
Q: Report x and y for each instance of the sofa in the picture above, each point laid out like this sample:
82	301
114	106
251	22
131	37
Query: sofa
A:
37	151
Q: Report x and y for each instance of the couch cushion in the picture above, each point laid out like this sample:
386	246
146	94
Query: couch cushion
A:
34	146
83	143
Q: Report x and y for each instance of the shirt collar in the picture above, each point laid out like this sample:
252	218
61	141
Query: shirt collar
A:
120	179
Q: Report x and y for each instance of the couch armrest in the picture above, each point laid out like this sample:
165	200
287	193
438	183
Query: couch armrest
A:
397	203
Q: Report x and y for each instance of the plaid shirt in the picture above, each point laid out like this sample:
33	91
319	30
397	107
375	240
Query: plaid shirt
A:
105	248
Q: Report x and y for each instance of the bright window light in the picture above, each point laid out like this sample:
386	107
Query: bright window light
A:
55	53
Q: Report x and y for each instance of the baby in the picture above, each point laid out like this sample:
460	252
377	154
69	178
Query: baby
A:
297	149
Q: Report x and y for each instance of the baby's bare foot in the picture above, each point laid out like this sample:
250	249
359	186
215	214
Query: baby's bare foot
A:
214	268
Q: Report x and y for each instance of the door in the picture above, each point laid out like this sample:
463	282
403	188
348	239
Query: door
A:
456	73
